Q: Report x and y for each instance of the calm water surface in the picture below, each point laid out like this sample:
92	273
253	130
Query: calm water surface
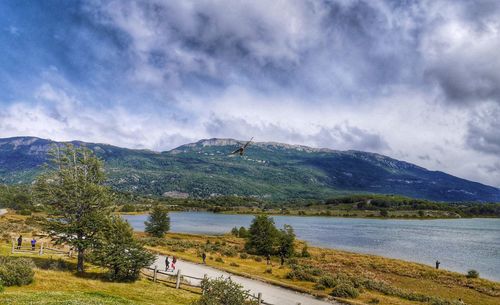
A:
459	244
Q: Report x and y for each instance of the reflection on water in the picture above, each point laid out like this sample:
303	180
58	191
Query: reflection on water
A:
459	244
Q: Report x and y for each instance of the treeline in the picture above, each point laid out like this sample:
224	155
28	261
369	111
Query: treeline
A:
400	203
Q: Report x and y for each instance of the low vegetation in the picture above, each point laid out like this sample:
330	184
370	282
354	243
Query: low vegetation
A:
343	275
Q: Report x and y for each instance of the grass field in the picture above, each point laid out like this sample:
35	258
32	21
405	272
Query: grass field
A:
65	287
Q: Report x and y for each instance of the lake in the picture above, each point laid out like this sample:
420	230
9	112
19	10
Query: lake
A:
459	244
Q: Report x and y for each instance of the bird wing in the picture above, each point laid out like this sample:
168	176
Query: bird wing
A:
248	143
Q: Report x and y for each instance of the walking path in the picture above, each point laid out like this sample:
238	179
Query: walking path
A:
270	293
3	211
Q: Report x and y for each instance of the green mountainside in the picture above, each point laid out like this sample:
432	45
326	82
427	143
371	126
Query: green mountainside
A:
267	170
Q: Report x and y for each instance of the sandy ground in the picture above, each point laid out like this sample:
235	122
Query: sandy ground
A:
270	293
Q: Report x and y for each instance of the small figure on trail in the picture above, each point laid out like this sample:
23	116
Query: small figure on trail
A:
174	261
241	150
282	259
204	257
167	264
268	259
19	241
33	244
437	264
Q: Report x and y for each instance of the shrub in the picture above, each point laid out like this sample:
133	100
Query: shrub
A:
269	270
319	287
374	301
222	291
327	281
16	271
230	252
300	274
305	251
25	212
219	260
51	264
127	208
258	259
233	264
472	274
243	255
345	290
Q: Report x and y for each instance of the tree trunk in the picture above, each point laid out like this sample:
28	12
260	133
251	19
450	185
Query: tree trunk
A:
79	266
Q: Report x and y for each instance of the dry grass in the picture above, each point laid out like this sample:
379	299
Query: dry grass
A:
406	276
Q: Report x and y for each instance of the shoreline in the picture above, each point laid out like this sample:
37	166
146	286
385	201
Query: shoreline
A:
298	215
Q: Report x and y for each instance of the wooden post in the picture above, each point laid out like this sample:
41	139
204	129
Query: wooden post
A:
41	249
178	282
13	245
259	298
155	274
70	252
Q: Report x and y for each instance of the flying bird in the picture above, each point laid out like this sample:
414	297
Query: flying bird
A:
241	150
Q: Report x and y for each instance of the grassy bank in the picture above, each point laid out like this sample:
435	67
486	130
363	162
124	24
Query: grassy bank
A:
385	281
58	283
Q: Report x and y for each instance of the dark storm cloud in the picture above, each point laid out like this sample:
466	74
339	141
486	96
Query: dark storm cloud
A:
484	131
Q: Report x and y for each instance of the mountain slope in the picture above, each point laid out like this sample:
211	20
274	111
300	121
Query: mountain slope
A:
268	170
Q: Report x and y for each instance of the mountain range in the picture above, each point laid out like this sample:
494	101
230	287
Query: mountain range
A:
266	170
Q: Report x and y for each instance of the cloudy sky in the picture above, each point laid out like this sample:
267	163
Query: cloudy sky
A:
415	80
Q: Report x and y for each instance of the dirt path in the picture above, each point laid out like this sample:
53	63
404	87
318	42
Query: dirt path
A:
270	293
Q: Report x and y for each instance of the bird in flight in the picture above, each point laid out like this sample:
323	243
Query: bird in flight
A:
241	150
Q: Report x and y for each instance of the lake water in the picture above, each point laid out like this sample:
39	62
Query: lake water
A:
459	244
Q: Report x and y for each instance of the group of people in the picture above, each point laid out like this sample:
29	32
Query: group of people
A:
20	243
170	264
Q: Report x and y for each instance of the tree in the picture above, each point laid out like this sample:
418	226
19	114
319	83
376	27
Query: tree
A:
286	241
384	213
243	232
262	236
118	250
74	189
158	221
222	291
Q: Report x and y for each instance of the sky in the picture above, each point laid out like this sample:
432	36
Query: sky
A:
415	80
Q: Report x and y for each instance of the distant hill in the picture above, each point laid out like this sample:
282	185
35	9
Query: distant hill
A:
267	170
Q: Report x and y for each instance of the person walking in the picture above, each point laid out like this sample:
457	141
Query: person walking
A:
174	261
167	264
204	257
437	264
19	241
268	259
33	244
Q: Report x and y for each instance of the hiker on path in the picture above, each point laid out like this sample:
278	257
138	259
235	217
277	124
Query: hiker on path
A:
33	244
268	259
204	257
19	241
282	258
167	264
437	264
174	260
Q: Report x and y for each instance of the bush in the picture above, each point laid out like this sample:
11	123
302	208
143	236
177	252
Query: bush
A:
319	287
472	274
269	270
222	291
127	208
374	301
301	275
327	281
51	264
243	255
16	271
219	260
233	264
345	290
258	259
305	251
25	212
1	286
